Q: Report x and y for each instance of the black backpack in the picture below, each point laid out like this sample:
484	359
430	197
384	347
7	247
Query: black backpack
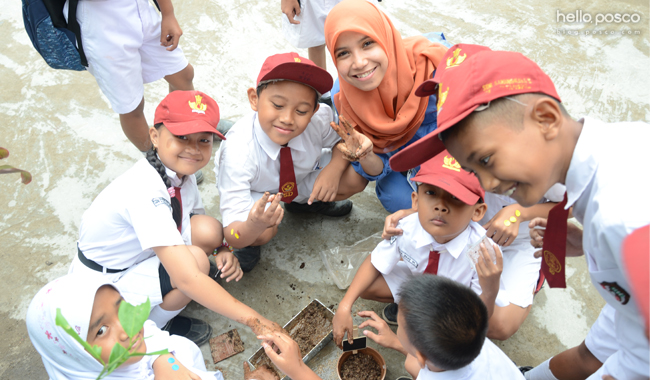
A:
52	36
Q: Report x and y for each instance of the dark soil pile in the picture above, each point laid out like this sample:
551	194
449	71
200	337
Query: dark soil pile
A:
360	367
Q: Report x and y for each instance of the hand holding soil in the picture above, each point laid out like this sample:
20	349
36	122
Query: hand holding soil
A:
354	145
267	217
261	373
288	357
342	323
263	326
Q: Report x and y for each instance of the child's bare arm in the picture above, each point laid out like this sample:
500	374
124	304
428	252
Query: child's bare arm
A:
342	321
326	185
243	234
489	276
170	31
167	367
503	228
186	276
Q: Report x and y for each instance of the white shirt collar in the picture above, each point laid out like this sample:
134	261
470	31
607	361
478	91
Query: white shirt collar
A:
270	148
455	246
173	177
583	164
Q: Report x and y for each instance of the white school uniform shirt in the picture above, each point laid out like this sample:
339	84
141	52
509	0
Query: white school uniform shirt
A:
247	163
608	189
490	364
411	249
133	214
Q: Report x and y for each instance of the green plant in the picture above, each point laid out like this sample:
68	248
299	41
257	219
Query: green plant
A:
132	319
25	176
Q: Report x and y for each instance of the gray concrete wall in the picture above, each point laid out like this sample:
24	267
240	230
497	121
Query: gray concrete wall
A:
58	125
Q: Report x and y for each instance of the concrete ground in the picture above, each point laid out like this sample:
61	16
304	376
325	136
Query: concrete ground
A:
57	125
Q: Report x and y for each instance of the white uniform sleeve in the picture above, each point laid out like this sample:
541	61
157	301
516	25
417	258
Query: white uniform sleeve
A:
236	171
324	116
149	210
385	256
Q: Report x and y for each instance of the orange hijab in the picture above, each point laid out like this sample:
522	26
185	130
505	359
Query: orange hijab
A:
411	61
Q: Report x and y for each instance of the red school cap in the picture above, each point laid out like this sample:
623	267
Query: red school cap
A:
291	66
469	77
186	112
444	172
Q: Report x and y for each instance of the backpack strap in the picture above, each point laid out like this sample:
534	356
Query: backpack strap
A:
73	26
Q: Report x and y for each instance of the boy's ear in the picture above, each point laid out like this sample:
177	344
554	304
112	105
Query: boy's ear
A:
253	98
479	211
546	113
317	107
153	135
422	360
414	200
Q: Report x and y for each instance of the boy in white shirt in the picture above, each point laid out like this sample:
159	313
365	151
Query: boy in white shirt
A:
449	203
284	148
502	119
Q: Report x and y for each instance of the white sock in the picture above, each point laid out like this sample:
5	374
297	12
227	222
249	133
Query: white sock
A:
541	372
161	316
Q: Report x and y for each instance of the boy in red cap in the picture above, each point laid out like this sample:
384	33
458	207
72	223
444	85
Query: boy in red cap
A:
281	152
436	240
501	117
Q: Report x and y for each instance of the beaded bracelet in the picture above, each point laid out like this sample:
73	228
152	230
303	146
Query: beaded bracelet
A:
224	244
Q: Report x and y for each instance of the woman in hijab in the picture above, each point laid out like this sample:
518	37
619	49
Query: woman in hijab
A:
378	73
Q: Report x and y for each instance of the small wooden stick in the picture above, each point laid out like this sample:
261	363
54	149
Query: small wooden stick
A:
355	334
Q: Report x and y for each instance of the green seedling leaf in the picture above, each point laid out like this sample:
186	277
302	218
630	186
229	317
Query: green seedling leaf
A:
161	352
25	176
60	321
4	153
132	317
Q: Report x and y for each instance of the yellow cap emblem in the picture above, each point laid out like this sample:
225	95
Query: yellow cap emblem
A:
197	106
457	59
442	96
451	163
297	59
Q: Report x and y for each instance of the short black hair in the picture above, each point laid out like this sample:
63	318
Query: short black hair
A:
444	320
501	109
264	85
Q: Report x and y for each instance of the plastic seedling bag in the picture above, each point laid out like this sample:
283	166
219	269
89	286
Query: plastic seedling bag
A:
342	263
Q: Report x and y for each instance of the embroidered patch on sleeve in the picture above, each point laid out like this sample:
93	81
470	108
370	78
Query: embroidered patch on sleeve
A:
161	201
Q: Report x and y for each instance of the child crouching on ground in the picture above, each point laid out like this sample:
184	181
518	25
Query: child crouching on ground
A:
90	304
281	152
449	203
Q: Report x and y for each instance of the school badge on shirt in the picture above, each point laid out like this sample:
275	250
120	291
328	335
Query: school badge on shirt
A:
161	201
617	291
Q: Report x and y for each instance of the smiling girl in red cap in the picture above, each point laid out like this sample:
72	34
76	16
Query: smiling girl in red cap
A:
138	231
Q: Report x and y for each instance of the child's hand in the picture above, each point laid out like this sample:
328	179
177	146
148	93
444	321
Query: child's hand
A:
391	221
341	324
288	359
573	238
262	372
326	186
167	367
267	217
489	273
384	337
354	145
263	326
503	228
229	265
291	8
170	32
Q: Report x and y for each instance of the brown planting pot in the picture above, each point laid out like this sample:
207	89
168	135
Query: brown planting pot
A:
368	351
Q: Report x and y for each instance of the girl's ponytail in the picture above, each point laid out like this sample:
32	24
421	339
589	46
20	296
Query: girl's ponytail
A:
154	161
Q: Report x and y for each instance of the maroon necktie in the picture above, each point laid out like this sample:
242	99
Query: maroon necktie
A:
177	192
432	266
287	176
554	248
